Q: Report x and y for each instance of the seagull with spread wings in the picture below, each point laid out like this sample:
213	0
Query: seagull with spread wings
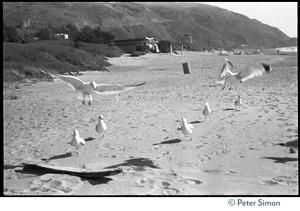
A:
250	71
88	88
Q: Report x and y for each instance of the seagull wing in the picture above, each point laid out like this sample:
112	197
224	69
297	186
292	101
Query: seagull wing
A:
74	82
81	141
226	74
106	89
227	70
190	125
252	71
229	64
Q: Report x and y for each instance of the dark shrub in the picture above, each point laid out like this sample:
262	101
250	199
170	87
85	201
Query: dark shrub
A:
164	46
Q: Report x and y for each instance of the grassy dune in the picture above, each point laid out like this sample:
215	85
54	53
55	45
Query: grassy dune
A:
22	61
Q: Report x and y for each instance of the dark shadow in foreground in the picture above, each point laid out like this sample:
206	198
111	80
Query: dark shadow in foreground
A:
281	159
94	178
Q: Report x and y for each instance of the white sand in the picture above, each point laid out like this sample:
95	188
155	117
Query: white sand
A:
236	153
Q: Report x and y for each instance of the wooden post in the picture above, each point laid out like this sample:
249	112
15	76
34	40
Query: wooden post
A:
171	49
186	68
181	49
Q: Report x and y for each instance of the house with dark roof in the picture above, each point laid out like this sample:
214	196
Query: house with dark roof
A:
130	45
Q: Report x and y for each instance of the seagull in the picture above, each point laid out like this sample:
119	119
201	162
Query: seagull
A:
250	71
186	128
77	141
206	110
238	102
101	126
87	88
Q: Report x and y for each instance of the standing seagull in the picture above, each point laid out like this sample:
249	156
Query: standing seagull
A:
250	71
77	141
238	102
206	110
186	128
87	88
101	126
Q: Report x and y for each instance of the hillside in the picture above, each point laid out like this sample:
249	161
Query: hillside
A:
209	26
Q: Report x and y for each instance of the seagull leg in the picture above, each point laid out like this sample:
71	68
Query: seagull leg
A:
83	101
90	100
224	85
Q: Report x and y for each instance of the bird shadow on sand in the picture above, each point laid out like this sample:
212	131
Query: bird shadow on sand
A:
89	139
137	163
171	141
281	159
228	109
65	155
196	122
290	144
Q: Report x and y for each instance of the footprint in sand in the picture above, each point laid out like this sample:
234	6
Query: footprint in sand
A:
192	181
280	180
50	184
106	156
165	153
214	171
230	172
158	146
170	191
198	146
157	187
203	158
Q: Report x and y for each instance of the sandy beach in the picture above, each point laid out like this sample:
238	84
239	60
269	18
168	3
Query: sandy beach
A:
244	152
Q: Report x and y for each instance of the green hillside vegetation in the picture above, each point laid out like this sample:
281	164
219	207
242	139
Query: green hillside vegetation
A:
85	49
23	60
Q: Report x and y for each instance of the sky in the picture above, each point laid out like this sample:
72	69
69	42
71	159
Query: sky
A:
282	15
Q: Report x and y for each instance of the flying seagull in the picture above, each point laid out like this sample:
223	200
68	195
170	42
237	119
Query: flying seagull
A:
250	71
88	88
